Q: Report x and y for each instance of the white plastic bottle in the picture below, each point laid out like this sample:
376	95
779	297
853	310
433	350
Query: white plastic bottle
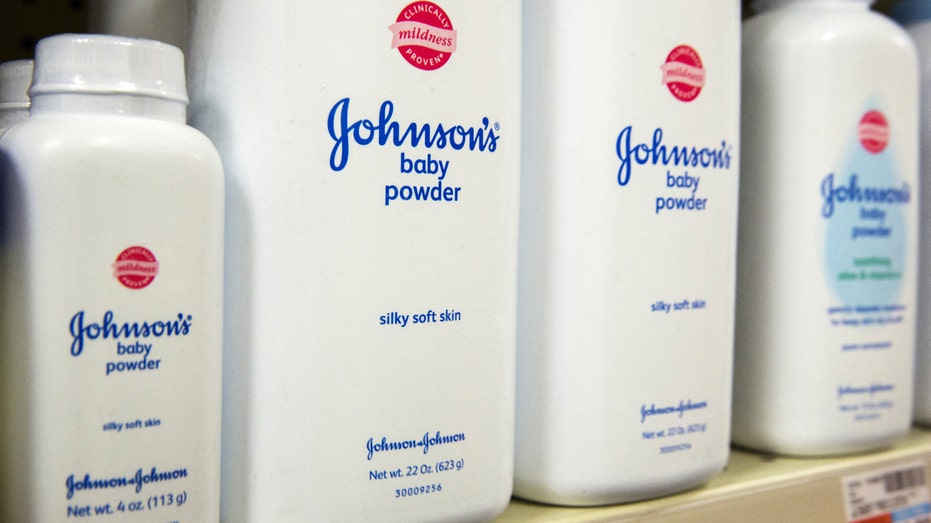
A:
628	247
111	315
915	15
371	150
15	77
827	267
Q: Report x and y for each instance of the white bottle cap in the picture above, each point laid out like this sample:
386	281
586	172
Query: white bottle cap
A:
104	64
15	77
763	5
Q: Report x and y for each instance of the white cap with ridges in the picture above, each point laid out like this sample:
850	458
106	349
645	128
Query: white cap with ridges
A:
15	77
104	64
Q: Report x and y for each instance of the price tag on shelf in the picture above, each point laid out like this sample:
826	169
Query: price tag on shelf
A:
896	494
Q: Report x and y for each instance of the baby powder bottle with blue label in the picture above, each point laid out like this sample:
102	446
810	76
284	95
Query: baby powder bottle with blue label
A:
915	15
111	252
628	248
827	277
371	152
15	77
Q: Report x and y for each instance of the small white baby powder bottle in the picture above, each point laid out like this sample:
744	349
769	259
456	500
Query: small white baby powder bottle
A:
915	15
372	157
15	77
628	248
826	294
111	250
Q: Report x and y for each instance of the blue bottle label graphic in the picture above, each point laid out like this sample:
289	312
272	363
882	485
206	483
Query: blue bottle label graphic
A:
864	206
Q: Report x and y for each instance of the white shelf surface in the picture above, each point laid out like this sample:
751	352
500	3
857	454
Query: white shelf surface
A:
753	487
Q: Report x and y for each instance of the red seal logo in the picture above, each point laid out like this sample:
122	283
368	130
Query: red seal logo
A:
424	35
683	73
873	131
135	267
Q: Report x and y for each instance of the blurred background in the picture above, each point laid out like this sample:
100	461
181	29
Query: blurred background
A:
24	22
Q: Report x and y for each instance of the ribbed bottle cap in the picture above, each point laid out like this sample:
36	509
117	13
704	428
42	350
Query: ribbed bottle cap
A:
104	64
15	77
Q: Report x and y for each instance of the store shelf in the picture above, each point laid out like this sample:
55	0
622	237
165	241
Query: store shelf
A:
754	487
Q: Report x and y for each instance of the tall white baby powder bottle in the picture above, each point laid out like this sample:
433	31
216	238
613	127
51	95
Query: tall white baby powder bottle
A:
915	15
826	290
111	249
628	247
15	77
371	152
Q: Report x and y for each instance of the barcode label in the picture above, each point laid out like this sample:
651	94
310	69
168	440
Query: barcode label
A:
897	494
903	479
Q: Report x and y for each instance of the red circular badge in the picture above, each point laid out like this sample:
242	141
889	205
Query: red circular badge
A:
683	73
873	131
424	35
135	267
